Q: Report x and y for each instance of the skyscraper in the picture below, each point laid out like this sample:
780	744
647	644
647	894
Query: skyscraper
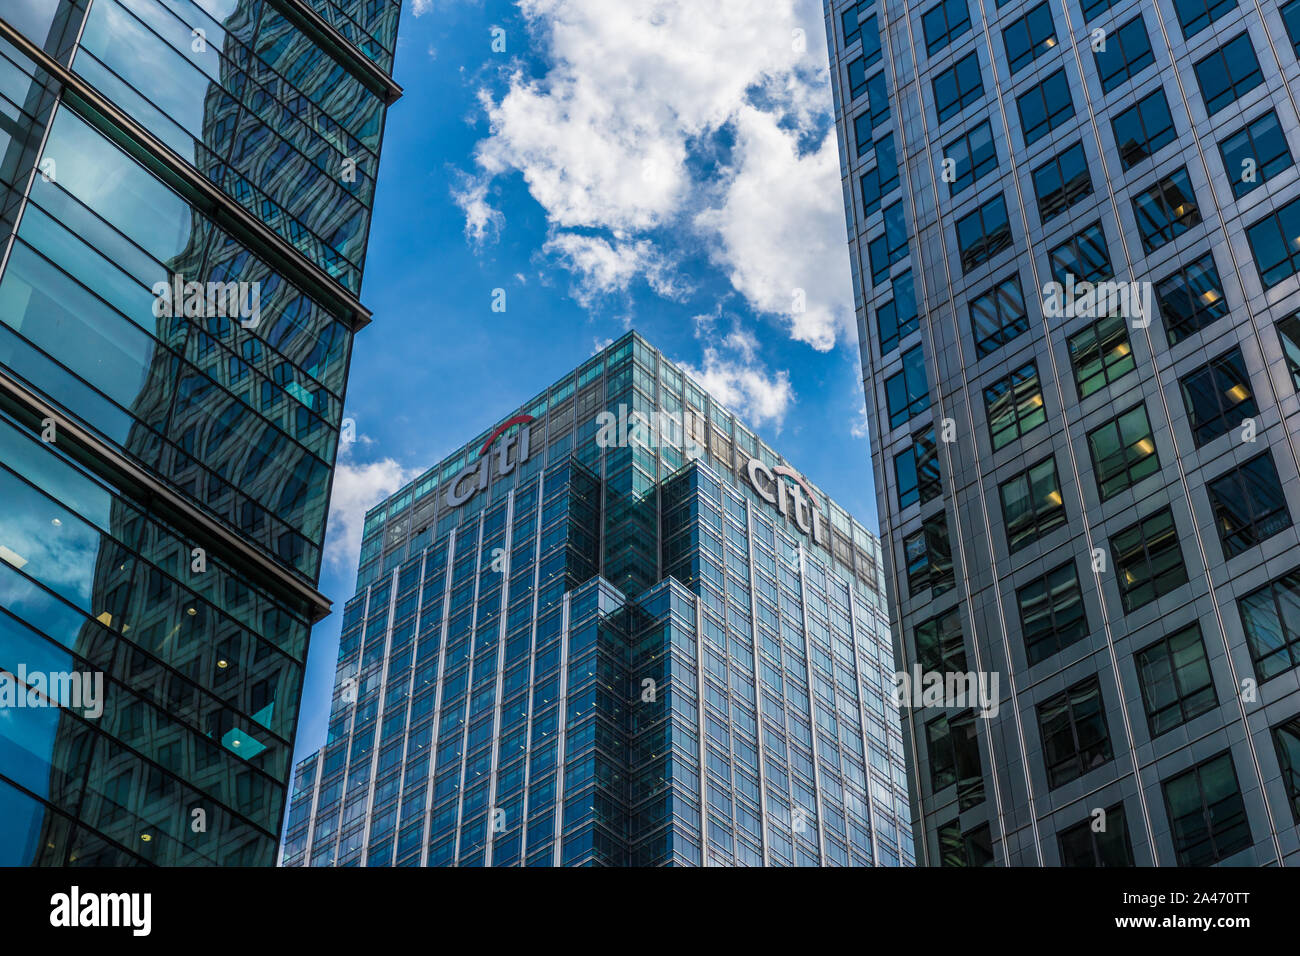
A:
186	189
1074	228
615	628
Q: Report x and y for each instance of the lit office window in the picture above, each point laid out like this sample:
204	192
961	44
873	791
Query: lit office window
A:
1014	405
1148	560
1032	505
1123	452
1100	354
1191	298
1218	397
1028	37
1166	210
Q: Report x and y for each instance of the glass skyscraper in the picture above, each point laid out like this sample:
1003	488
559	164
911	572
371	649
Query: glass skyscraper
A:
1075	234
185	194
615	628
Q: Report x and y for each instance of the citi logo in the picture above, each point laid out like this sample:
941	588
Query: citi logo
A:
796	501
474	478
76	909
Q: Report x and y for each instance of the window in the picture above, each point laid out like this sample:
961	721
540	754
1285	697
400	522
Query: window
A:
907	393
973	155
972	848
1218	397
1206	814
998	316
862	127
1127	53
1073	728
1044	107
984	233
1014	405
890	246
898	318
878	97
1143	129
1083	256
1175	677
943	23
1228	72
883	178
1270	616
939	647
1288	334
1032	505
870	41
1272	243
1166	210
1084	846
1028	37
1052	615
1148	560
953	746
1191	299
1195	15
1286	738
849	22
1255	154
1062	181
929	558
1291	18
1123	452
1100	354
1249	506
857	77
958	86
1091	8
917	470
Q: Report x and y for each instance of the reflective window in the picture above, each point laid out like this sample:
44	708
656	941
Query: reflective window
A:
1100	354
1273	243
1052	615
1218	397
1166	210
1081	258
917	470
898	318
953	747
1206	813
1028	37
1228	72
958	86
1032	505
1123	452
1074	735
1195	15
1191	299
890	246
1062	181
983	234
1148	560
1175	677
1086	845
1270	616
928	554
998	316
1255	154
907	393
973	154
1286	738
943	23
1127	53
1044	107
1144	128
1014	405
1249	505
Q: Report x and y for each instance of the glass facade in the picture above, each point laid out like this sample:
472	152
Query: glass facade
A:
615	629
185	194
1097	216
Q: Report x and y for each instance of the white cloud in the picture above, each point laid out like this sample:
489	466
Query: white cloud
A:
623	134
357	489
420	7
602	267
749	390
482	223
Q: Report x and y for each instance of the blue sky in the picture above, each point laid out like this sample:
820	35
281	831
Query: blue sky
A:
664	165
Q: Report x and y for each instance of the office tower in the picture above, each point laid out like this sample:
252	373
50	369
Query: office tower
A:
1074	228
615	628
185	189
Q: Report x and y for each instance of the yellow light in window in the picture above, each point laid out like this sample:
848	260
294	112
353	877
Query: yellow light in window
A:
1146	446
1209	297
1054	498
1121	350
1050	42
1238	393
106	619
